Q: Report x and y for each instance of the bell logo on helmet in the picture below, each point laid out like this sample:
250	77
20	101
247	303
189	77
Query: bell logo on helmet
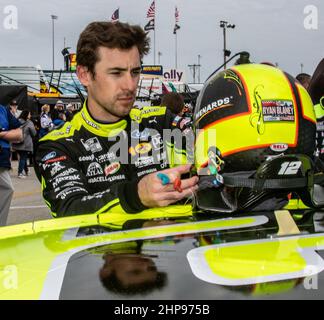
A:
279	147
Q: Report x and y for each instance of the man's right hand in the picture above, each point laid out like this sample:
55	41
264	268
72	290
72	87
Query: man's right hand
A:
153	193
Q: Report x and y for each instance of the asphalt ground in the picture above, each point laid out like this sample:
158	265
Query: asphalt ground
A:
27	203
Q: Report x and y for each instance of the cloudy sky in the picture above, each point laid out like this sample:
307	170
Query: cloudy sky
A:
275	30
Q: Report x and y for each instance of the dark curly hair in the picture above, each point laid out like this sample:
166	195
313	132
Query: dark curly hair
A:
173	101
110	35
114	285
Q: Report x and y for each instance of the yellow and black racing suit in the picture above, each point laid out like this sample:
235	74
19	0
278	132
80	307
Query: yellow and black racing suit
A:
91	167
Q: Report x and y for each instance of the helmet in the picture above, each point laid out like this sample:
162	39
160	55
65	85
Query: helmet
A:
255	139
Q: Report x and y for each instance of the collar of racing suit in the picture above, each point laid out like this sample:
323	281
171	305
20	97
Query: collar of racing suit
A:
99	128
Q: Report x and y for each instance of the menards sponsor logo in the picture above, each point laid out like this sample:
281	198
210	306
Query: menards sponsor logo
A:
225	102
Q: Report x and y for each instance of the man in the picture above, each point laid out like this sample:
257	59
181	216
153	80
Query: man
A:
69	113
174	102
57	110
9	132
13	106
103	158
316	91
128	271
304	79
59	105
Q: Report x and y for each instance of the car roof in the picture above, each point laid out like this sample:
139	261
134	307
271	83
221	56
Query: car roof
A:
222	257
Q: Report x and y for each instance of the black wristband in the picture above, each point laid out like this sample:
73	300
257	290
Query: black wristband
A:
128	197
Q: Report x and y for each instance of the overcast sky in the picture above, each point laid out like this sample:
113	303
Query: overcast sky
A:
272	30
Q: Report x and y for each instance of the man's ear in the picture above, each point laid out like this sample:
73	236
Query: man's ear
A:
83	75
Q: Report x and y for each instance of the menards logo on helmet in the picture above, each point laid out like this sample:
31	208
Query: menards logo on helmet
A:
220	103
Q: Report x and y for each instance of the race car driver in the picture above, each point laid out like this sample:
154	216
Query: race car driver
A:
108	155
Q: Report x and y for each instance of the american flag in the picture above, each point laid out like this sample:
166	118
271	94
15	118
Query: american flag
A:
115	16
150	25
151	11
176	14
176	25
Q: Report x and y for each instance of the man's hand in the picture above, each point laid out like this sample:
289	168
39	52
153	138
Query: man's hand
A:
153	193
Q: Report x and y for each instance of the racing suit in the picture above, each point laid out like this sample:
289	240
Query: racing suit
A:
319	112
91	167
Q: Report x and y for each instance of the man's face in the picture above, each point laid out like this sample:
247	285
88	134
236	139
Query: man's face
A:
112	90
13	107
130	269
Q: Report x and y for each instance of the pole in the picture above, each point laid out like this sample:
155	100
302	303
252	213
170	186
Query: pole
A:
199	56
53	43
193	68
154	42
154	29
53	18
176	51
65	65
225	25
224	33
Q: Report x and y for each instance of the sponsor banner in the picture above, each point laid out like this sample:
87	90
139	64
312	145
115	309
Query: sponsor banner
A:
149	86
141	148
57	167
94	169
112	168
140	174
175	75
105	179
215	105
62	158
278	110
73	62
92	145
67	172
151	71
144	162
141	135
63	194
49	156
58	181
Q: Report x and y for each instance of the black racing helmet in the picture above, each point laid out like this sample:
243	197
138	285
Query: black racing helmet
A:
255	140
